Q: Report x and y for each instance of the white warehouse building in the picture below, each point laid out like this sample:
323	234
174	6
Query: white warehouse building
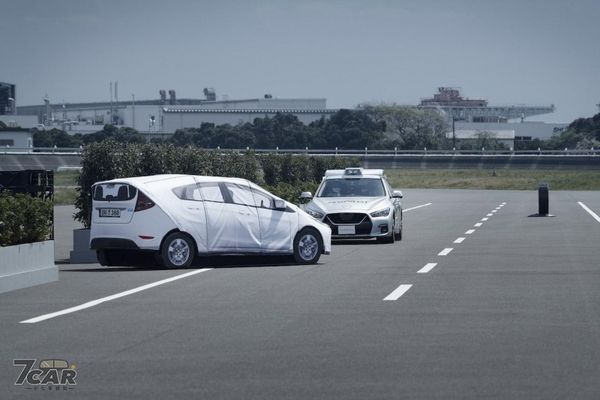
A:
157	117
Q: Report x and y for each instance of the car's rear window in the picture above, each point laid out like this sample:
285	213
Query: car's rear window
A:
114	192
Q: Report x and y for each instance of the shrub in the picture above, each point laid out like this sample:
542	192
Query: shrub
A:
286	175
24	219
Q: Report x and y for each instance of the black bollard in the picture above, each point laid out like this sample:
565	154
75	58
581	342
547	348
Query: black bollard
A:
543	206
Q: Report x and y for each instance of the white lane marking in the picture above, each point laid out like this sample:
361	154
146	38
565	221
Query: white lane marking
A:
494	211
484	219
489	215
112	297
459	240
428	267
477	225
470	231
445	252
415	207
503	204
399	291
586	208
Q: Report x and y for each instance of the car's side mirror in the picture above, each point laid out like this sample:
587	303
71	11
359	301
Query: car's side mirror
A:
397	194
305	197
280	204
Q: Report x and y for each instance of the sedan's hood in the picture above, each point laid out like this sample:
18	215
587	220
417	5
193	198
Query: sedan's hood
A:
350	204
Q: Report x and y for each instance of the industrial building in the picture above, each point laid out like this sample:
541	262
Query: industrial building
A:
15	130
474	116
164	116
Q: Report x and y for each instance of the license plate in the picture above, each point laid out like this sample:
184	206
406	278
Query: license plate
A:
346	230
110	212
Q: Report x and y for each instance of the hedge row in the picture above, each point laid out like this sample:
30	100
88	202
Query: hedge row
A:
284	175
24	219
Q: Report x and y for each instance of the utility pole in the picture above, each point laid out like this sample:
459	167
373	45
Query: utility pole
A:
133	110
453	132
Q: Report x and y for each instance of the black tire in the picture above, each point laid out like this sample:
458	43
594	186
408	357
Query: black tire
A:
391	238
103	257
177	251
308	246
110	258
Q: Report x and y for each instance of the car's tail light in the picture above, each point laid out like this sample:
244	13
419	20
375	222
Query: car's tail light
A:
143	202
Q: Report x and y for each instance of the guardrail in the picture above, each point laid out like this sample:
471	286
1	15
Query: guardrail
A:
340	152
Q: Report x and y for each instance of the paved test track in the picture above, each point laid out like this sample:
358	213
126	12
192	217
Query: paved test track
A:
513	311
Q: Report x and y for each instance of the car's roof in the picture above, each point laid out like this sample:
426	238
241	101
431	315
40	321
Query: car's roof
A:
170	180
353	173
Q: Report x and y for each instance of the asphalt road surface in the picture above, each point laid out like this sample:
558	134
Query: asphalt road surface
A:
467	306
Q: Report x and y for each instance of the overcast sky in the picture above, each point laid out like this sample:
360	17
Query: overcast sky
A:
509	52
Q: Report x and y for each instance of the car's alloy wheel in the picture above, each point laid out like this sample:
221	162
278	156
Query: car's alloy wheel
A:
177	251
308	247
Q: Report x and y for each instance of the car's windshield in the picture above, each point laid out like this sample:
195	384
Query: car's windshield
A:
362	187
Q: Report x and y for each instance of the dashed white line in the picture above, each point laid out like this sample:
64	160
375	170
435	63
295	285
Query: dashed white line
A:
477	225
459	240
415	207
399	291
112	297
470	231
484	219
428	267
586	208
445	252
494	211
489	215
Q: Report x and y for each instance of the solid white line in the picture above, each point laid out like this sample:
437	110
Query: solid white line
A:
395	295
489	215
446	251
593	214
428	267
112	297
459	240
470	231
484	219
477	225
414	208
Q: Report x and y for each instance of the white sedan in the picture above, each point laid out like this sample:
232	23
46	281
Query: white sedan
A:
179	216
357	203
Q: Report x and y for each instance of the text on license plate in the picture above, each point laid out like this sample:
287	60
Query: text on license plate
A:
110	212
346	230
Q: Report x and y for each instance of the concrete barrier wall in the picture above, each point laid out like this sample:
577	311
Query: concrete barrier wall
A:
467	161
27	265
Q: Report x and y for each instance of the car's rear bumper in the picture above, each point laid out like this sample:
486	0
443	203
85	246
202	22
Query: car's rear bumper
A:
113	243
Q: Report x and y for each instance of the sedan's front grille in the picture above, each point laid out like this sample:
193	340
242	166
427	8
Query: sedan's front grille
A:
362	222
346	218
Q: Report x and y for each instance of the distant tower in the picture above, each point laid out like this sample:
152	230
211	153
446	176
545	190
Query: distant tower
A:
48	116
210	94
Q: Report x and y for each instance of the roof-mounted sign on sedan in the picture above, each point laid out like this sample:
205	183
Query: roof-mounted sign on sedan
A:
357	203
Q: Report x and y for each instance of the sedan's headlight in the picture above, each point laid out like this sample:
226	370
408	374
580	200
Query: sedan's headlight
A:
381	213
314	214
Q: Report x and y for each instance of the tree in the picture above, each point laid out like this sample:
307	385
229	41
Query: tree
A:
410	128
55	137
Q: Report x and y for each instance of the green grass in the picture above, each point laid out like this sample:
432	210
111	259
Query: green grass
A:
66	178
64	196
509	179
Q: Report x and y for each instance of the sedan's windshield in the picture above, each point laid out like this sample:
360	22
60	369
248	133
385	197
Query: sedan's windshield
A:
362	187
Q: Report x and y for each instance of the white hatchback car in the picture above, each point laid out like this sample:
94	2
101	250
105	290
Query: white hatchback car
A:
357	203
180	216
